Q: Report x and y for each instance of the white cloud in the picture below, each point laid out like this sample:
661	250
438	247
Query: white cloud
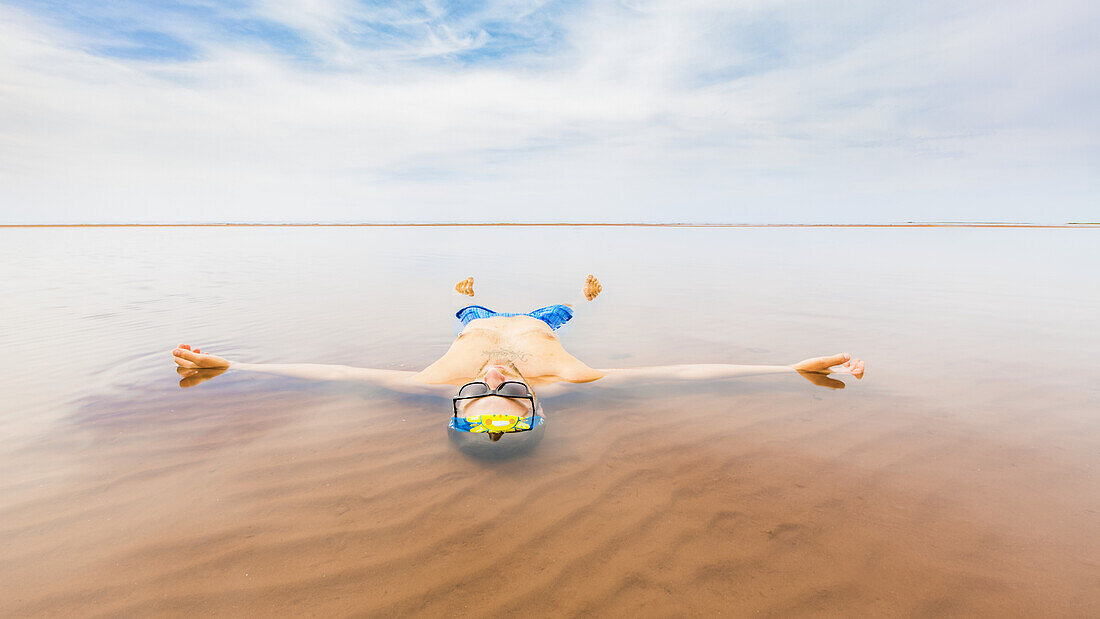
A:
668	111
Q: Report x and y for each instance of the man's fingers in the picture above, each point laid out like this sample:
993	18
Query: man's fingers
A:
187	358
853	367
192	358
833	363
185	353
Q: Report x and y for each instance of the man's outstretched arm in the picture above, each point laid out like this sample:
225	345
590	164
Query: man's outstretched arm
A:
816	370
398	380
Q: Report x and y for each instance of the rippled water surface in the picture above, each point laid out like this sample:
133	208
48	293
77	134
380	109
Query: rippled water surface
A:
961	476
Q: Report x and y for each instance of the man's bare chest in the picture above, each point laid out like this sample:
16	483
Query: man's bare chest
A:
523	341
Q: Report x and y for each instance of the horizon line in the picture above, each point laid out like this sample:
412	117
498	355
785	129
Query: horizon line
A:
910	224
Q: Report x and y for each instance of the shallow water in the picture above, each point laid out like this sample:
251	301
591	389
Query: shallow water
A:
962	476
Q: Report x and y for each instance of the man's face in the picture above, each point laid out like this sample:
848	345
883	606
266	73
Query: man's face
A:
493	374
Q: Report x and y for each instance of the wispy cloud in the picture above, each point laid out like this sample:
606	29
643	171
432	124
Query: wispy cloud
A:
335	110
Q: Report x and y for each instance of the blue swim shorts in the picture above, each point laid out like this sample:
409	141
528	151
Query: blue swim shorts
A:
553	315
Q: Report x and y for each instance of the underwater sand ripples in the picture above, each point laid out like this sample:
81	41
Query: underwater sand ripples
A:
940	485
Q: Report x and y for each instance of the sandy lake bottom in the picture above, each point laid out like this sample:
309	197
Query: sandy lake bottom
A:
960	477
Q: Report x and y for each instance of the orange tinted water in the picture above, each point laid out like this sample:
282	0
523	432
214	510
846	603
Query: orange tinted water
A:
961	477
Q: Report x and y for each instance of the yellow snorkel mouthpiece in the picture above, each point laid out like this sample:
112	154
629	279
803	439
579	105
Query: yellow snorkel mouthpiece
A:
497	423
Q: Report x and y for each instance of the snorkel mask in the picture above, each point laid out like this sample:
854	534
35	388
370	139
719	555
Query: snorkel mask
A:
495	424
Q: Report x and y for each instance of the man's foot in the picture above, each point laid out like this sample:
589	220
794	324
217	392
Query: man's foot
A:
465	287
592	287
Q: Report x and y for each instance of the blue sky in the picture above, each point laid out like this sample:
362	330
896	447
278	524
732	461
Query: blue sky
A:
639	110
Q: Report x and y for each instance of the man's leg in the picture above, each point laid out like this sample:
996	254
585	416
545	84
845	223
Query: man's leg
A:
461	298
462	295
556	316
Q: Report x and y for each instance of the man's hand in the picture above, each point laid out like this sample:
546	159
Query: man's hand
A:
592	287
816	370
194	359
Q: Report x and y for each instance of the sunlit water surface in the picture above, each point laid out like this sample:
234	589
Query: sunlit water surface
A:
960	477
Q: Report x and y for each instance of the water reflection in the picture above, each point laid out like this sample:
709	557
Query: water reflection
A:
190	377
127	495
822	380
511	446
